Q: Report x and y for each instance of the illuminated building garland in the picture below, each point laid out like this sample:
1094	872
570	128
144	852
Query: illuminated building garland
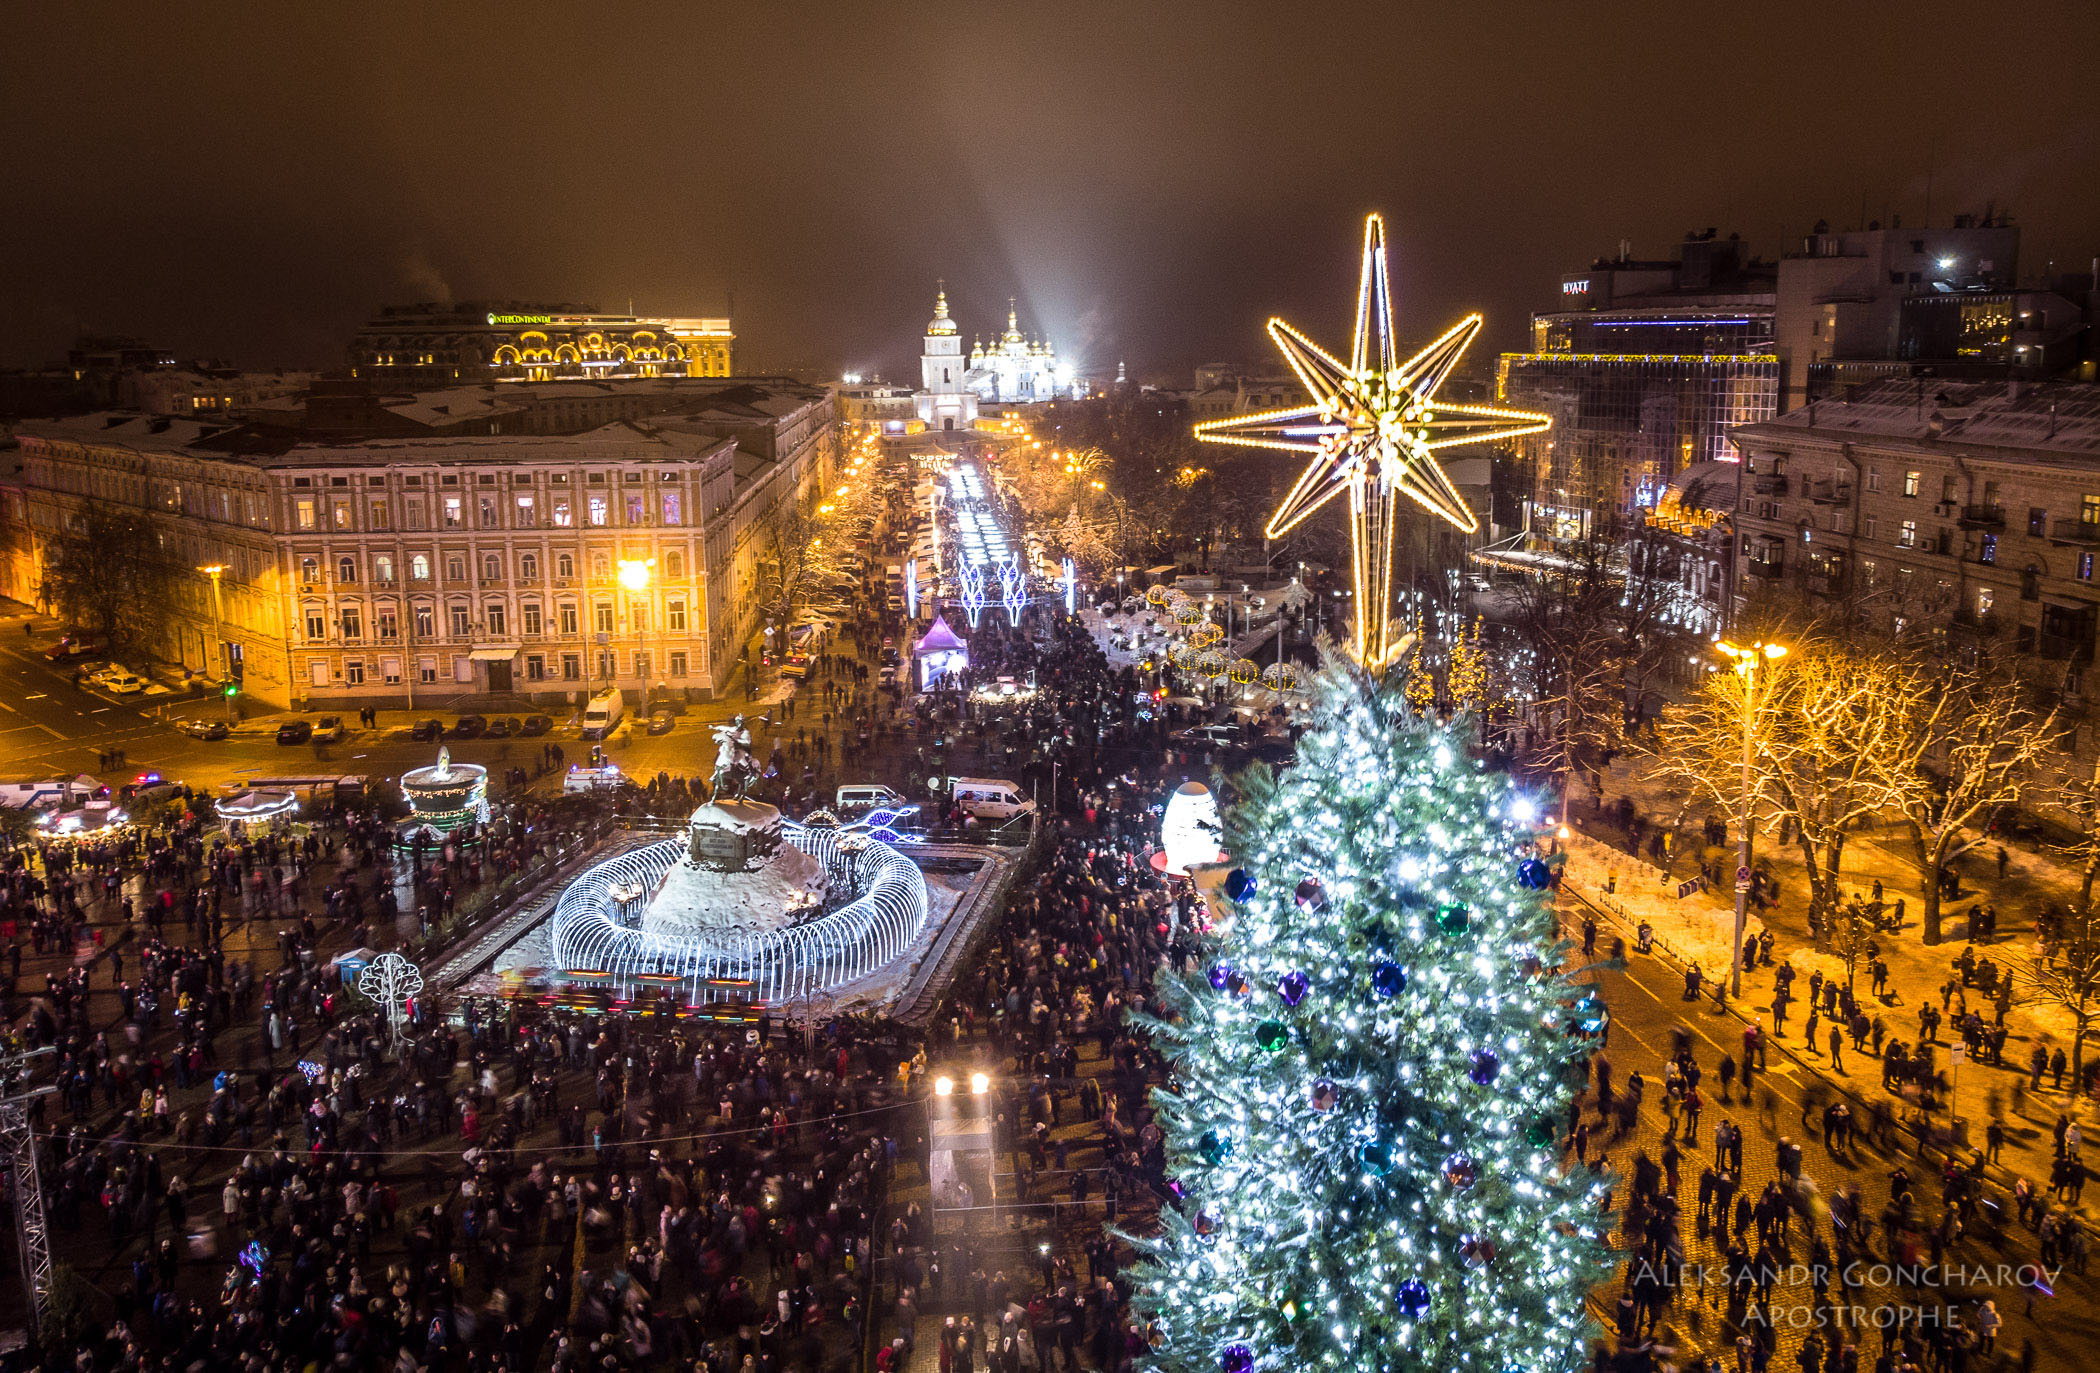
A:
1374	428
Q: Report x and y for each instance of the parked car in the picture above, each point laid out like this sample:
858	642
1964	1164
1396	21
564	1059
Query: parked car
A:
329	730
796	668
295	731
661	720
73	646
534	726
501	728
1208	736
207	730
470	727
427	730
122	681
889	653
888	676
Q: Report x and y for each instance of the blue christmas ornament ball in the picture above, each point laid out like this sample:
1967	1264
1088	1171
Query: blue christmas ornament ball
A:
1220	974
1388	978
1412	1298
1239	884
1483	1066
1534	875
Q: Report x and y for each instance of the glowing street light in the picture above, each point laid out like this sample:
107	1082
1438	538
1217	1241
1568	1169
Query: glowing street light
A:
1746	660
944	1086
635	575
979	1084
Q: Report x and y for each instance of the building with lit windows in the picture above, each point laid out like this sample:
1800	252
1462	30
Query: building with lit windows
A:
1966	512
418	346
417	571
1645	368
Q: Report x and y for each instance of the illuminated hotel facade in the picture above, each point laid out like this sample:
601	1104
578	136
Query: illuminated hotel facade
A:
1644	370
421	346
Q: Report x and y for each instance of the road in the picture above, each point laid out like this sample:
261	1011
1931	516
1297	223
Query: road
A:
1645	998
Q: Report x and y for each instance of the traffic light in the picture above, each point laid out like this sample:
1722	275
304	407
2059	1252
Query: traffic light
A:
231	689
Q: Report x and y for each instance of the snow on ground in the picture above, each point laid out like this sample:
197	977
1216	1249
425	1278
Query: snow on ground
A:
1695	928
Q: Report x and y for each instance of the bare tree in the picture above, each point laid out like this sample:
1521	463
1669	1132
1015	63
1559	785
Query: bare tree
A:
801	571
1967	745
1823	744
106	573
2067	976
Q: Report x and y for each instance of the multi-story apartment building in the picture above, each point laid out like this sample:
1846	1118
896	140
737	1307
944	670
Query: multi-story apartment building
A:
406	571
1963	510
447	345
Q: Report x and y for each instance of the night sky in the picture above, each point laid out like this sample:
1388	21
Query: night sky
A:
1151	180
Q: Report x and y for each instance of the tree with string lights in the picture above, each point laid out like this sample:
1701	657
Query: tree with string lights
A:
1368	1072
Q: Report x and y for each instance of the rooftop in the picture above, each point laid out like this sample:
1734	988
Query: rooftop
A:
2058	420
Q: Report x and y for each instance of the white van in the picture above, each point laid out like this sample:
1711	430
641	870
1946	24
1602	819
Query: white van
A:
602	713
988	798
856	797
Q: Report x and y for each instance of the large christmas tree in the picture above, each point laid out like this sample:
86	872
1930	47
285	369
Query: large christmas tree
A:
1369	1073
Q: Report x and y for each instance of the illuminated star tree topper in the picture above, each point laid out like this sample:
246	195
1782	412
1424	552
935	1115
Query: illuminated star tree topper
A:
1374	429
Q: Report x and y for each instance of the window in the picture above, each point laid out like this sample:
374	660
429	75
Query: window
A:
383	567
419	567
673	507
2089	510
455	568
526	514
599	508
489	519
674	615
571	667
1908	538
426	621
561	514
608	664
1910	482
317	671
491	568
309	570
498	621
674	566
412	513
426	670
353	622
462	621
376	512
1873	526
316	626
1873	479
678	665
2037	521
346	569
388	621
630	477
637	509
354	672
568	619
528	567
535	668
1984	599
1950	488
303	513
531	615
453	506
1989	552
564	566
602	617
390	671
2085	567
340	510
462	669
601	566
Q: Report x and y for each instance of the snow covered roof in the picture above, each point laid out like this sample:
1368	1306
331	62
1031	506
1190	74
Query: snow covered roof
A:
2052	422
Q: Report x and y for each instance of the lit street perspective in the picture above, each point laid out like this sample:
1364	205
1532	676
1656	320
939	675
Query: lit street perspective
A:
707	691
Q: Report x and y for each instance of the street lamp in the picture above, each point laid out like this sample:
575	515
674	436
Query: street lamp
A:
1746	661
635	575
218	635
